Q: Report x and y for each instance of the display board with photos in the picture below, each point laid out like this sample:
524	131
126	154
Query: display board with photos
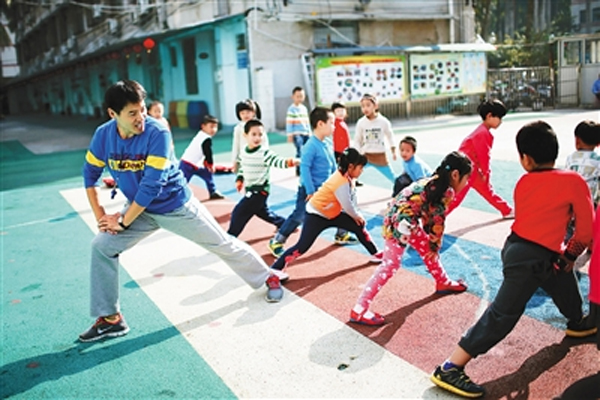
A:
347	79
447	74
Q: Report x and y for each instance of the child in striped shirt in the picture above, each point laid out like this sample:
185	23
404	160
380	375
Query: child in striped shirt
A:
297	124
254	164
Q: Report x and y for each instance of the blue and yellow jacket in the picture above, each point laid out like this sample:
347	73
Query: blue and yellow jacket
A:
144	166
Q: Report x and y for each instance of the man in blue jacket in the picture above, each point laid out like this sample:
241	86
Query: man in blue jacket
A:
138	153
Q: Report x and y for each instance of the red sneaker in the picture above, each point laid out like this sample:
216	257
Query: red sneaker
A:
109	182
450	287
375	320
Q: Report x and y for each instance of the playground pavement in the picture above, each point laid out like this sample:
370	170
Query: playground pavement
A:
197	331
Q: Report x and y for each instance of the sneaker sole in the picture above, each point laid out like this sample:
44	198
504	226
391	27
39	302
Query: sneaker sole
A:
356	321
454	389
106	335
447	291
344	243
581	334
273	299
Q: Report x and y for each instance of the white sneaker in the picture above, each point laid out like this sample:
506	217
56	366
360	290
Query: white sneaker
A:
280	274
377	258
510	215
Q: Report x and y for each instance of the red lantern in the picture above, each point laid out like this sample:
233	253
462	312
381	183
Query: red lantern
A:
137	48
149	43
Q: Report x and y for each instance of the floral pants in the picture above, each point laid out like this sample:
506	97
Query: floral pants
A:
392	256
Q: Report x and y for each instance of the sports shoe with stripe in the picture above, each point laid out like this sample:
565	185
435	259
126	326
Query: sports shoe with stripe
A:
103	328
581	329
456	381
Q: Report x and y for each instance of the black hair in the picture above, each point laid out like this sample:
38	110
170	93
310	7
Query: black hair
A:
410	140
319	114
538	141
494	106
437	186
350	156
251	124
154	103
209	119
297	89
124	92
248	104
337	105
589	132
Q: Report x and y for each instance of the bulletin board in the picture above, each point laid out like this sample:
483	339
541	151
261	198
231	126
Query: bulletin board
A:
447	74
347	79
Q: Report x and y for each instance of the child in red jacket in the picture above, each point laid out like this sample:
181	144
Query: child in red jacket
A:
477	146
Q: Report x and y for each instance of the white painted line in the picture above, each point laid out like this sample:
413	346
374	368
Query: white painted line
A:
288	350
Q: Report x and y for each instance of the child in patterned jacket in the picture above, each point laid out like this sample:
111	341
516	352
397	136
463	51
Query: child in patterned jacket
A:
416	217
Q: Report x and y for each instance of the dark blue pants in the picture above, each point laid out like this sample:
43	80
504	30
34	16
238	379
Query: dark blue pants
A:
296	218
190	170
253	203
313	226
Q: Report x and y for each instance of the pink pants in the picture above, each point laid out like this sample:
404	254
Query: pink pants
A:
392	256
484	188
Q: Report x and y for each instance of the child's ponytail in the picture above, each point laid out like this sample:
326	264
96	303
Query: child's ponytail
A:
436	187
350	156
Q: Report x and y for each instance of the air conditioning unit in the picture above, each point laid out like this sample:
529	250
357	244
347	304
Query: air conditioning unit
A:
70	42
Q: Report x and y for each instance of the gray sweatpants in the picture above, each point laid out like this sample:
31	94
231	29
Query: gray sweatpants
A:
526	267
191	221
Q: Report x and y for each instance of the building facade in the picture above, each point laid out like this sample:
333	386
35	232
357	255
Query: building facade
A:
586	16
214	52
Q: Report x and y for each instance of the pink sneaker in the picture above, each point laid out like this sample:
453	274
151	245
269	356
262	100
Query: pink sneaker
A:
375	320
450	287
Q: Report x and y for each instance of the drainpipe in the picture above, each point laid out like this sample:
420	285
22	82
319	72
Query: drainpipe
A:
452	22
250	25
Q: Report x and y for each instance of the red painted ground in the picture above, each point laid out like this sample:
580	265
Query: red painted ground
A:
534	361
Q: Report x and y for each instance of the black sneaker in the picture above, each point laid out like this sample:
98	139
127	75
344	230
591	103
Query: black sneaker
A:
456	381
274	290
102	328
581	329
216	196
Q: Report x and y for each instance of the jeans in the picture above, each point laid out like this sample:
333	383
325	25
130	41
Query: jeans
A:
190	170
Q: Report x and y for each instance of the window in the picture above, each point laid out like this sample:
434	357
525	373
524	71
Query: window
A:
571	53
582	17
596	14
338	34
189	64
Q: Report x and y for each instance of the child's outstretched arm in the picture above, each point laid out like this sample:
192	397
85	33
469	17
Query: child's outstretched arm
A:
272	159
434	221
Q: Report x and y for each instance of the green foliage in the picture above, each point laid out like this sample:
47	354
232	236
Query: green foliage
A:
524	46
521	51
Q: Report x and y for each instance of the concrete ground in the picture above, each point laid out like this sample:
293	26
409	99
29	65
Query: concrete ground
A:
199	332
